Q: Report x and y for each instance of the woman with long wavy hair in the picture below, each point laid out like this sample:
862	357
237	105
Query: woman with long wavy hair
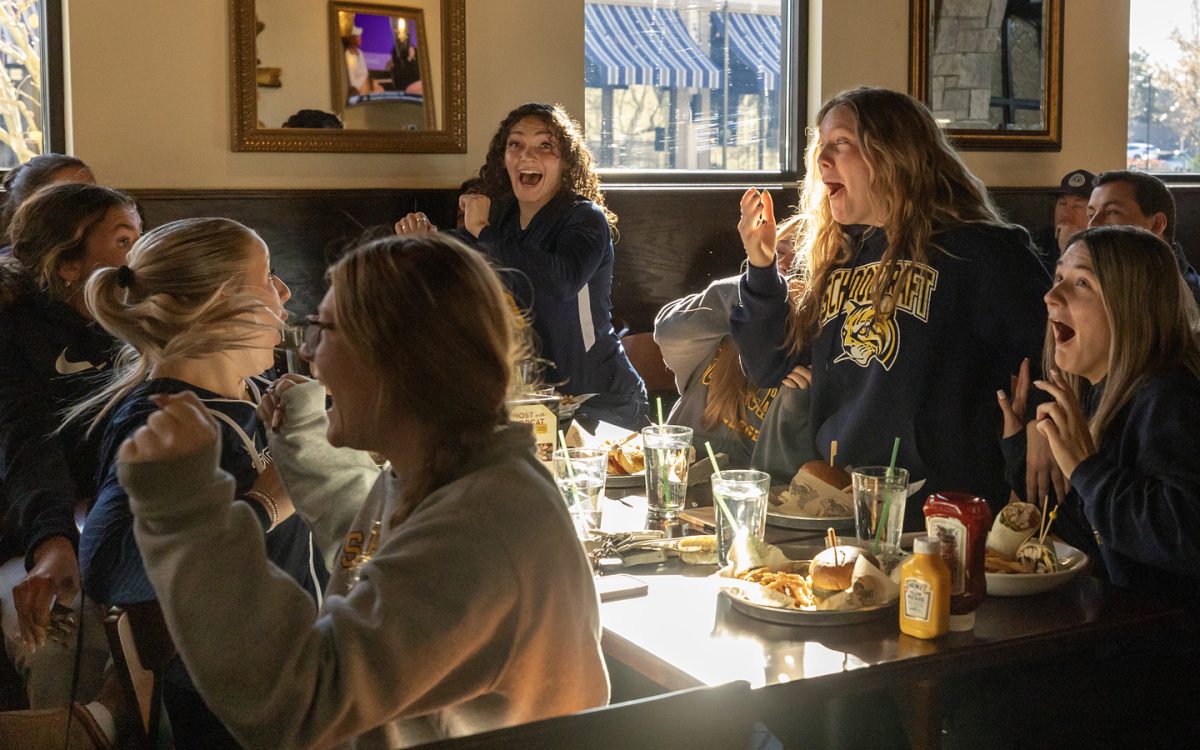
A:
919	301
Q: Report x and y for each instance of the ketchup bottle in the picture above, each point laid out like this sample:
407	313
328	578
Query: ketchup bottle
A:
961	523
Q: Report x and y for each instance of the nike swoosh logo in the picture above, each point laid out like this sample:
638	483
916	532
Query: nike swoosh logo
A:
65	366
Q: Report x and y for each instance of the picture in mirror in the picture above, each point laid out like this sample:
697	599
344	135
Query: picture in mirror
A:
322	76
379	62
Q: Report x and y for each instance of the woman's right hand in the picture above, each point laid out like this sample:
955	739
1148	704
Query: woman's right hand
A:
757	227
54	576
1013	408
415	223
180	427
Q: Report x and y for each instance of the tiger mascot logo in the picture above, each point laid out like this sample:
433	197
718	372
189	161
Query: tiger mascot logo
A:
866	336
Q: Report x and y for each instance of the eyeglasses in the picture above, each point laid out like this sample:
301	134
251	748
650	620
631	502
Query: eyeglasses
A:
313	329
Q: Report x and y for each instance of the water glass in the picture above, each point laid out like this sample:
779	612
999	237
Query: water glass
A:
668	451
579	474
743	493
880	494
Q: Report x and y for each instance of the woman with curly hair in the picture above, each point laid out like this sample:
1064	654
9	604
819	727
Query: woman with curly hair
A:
539	214
919	301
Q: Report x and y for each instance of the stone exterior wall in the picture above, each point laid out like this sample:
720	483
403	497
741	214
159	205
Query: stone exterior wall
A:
964	61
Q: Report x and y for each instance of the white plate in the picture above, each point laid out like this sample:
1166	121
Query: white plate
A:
788	517
785	616
1026	584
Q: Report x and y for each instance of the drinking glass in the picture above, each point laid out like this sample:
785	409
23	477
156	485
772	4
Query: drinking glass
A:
668	449
880	494
579	474
743	493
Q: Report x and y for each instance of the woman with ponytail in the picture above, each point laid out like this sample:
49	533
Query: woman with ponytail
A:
199	311
461	600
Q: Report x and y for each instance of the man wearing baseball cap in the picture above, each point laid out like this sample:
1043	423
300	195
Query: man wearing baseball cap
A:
1070	216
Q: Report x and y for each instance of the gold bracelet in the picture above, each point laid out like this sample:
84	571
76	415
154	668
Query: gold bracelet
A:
267	501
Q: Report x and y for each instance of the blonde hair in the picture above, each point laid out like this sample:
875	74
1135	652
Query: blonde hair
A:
918	180
180	298
1152	316
727	388
428	315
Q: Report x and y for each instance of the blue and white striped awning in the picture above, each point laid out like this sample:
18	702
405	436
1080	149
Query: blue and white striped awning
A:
756	40
625	45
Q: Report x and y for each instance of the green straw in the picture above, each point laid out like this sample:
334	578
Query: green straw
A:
887	501
733	524
562	443
664	472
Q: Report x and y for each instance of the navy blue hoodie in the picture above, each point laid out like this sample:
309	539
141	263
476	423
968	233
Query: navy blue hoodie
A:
50	358
1136	501
929	373
563	264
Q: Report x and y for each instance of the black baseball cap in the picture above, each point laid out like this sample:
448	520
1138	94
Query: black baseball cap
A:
1077	183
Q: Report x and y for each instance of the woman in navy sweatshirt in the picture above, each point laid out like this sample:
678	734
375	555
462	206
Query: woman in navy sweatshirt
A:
919	301
540	217
1126	402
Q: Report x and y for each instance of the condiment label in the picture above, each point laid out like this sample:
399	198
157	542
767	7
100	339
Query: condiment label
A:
952	535
545	427
918	599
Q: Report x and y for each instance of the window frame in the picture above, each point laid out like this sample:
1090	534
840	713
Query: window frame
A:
793	87
54	121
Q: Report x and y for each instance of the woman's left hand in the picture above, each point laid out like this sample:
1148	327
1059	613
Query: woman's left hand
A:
270	408
1062	422
476	208
180	427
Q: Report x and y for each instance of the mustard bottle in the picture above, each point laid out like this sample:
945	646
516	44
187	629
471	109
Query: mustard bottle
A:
925	591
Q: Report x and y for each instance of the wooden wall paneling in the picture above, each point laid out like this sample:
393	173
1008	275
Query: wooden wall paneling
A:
672	241
300	226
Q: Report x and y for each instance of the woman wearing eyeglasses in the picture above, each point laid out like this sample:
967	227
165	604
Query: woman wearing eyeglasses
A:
199	311
462	600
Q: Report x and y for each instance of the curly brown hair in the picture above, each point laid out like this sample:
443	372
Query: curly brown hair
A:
579	171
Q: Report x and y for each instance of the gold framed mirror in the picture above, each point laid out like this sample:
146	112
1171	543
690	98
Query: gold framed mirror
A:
321	76
990	71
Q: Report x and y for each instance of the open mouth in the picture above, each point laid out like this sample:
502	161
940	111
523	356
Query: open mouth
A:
530	179
834	188
1062	332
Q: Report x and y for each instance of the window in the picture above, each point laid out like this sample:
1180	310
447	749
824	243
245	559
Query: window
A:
1164	76
694	85
31	120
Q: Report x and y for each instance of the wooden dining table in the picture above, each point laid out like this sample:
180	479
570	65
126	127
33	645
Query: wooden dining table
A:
682	633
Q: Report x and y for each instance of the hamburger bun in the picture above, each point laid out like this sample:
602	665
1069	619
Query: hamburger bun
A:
832	570
830	475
